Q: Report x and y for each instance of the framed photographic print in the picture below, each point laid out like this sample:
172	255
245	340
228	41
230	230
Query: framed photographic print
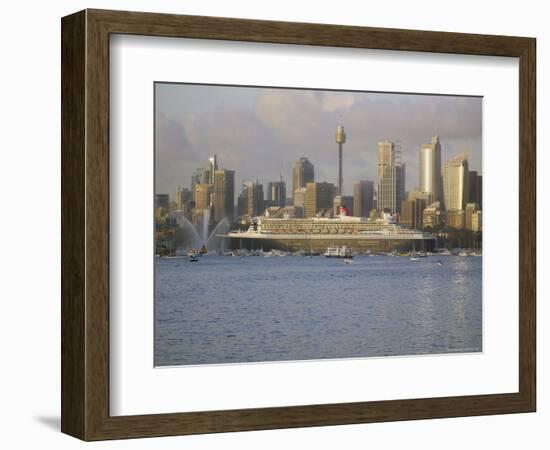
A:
271	224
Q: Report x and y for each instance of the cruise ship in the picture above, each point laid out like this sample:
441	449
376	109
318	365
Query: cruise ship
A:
318	233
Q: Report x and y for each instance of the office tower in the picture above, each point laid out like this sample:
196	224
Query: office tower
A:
242	203
340	139
342	205
479	199
254	198
455	183
363	198
211	168
302	173
431	217
348	204
300	200
223	198
412	211
477	224
319	198
391	179
198	177
475	185
162	201
412	208
426	196
276	193
208	171
386	156
455	219
429	168
203	194
469	213
183	195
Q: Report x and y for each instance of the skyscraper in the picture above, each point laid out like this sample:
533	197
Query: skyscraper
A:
212	166
242	203
470	216
431	217
254	195
162	201
347	202
198	177
391	179
319	198
412	211
223	198
340	139
386	156
302	173
300	200
342	204
429	169
363	198
183	195
454	218
203	194
208	170
455	183
276	193
412	208
475	185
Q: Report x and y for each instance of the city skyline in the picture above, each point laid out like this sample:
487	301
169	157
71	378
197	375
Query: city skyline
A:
275	246
185	139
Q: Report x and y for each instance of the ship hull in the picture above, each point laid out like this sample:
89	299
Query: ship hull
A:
319	244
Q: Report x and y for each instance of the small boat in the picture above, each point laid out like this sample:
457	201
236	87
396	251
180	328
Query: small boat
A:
339	252
348	261
439	263
193	259
414	258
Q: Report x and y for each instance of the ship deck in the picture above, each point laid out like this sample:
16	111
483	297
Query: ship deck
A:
330	236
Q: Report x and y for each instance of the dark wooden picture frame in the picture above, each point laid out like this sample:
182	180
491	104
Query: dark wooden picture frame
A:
85	224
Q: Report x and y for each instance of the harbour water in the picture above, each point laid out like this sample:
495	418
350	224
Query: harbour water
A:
226	309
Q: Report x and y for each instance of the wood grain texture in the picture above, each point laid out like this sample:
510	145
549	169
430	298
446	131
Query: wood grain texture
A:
527	224
73	226
85	224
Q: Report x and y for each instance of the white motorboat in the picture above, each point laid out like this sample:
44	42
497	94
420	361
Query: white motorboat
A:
339	252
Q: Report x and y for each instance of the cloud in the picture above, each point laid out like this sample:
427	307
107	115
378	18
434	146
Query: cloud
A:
260	132
290	115
337	101
189	124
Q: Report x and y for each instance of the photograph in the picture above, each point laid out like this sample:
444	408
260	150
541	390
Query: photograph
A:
298	224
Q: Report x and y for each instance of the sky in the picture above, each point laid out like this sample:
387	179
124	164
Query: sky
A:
260	132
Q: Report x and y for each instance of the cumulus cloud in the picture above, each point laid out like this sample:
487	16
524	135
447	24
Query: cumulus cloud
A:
259	132
291	115
337	101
